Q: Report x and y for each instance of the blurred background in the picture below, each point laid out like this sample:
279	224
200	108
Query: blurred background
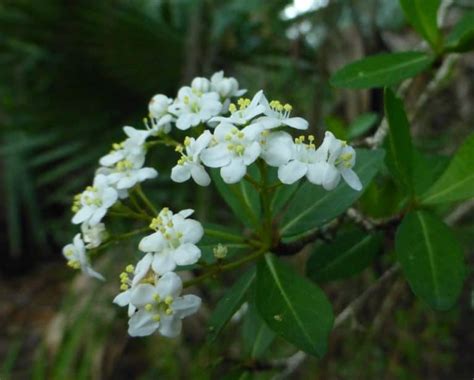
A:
72	73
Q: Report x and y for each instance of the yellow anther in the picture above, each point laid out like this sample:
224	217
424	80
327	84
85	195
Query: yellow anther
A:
130	268
232	108
167	236
345	156
186	100
239	149
234	130
157	317
187	141
156	298
148	307
179	235
287	107
169	300
179	149
170	224
169	311
230	147
116	146
311	138
124	287
240	135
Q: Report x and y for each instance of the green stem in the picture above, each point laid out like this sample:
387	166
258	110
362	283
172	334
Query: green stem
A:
224	268
145	200
224	235
252	181
117	238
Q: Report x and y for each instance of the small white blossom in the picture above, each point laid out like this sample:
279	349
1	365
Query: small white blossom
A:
160	307
232	150
278	115
189	165
77	258
335	159
174	242
225	87
247	110
193	107
130	278
131	149
93	236
92	204
201	84
160	118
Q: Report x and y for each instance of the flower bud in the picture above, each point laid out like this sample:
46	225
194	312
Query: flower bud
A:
220	251
159	105
201	84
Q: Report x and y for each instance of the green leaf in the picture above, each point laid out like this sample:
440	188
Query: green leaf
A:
256	334
381	70
426	170
230	303
461	38
361	125
423	15
351	252
399	145
457	181
312	206
293	307
242	198
431	258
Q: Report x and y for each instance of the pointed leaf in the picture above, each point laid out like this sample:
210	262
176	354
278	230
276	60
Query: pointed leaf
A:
399	145
381	70
350	253
423	16
361	125
230	303
256	334
293	307
457	181
461	38
313	206
431	258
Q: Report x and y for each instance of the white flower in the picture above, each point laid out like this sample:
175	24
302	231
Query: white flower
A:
77	258
174	242
201	84
160	307
232	150
131	149
126	175
248	109
225	87
92	204
160	118
93	236
277	115
129	279
302	162
335	159
189	165
193	107
277	147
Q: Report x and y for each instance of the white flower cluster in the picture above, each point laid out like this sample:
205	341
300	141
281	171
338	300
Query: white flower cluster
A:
226	135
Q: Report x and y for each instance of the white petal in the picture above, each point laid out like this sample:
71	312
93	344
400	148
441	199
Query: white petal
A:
122	299
82	215
109	197
202	142
234	172
163	262
316	172
92	273
170	327
169	285
251	153
152	243
186	305
331	177
252	131
200	175
292	172
186	254
278	149
112	158
127	181
142	324
352	179
146	173
216	156
180	173
186	212
142	268
97	216
222	130
142	295
296	122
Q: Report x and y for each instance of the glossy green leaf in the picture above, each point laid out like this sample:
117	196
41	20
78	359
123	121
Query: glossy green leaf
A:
293	307
313	206
361	125
431	258
399	145
230	303
457	181
461	38
381	70
350	252
423	15
241	197
256	334
427	169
